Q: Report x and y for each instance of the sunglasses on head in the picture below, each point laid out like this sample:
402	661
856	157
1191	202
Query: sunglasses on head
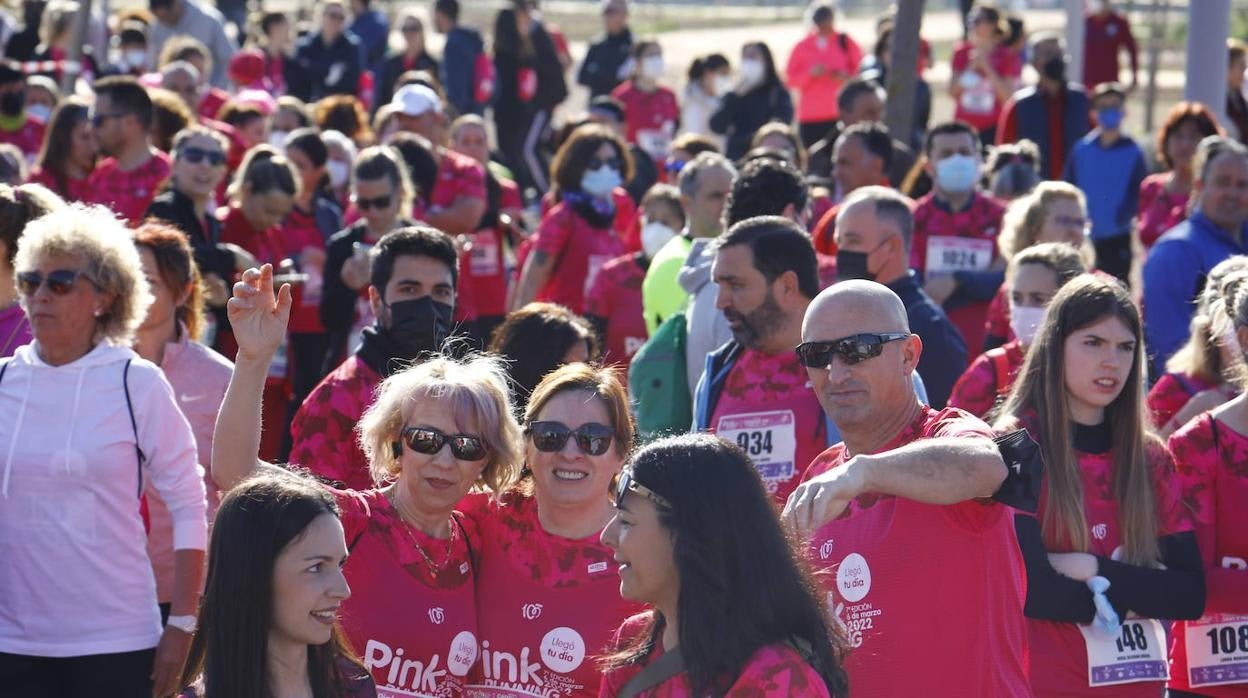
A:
852	350
59	282
622	483
430	441
195	155
379	203
550	437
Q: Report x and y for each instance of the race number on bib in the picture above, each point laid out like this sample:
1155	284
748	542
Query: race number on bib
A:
1137	653
947	254
768	438
1217	650
655	141
483	255
592	266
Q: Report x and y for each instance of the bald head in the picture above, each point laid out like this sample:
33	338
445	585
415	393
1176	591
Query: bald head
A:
854	307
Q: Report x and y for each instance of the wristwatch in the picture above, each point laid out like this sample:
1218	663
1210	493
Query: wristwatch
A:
184	623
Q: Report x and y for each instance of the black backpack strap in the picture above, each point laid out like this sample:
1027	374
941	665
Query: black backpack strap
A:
4	366
134	425
665	667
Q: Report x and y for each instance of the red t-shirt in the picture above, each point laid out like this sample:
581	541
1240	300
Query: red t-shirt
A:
768	409
128	194
210	104
547	605
28	138
323	431
297	233
1171	393
901	574
650	118
978	390
946	242
997	324
458	176
979	105
1212	463
1059	650
274	245
1104	38
579	251
1159	209
415	629
774	671
616	298
75	189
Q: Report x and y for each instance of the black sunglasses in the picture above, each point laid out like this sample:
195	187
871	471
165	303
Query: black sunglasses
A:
380	202
98	119
430	441
59	282
195	155
596	164
550	437
853	349
623	483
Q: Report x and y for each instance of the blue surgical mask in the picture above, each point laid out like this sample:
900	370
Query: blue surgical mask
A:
600	182
957	173
1110	118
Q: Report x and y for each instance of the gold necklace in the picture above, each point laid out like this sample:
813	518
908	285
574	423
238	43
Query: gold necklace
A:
434	568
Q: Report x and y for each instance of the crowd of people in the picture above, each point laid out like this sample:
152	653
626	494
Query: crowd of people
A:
331	367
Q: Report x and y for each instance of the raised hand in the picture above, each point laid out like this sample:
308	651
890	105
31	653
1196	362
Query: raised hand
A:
257	315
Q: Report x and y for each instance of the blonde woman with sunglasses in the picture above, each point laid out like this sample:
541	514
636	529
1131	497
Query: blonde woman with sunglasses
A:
436	430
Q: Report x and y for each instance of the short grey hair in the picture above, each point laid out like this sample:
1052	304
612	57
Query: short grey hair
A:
1210	149
94	235
889	206
688	180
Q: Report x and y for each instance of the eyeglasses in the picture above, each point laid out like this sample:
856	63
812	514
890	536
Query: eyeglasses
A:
852	350
98	119
59	282
195	155
379	203
597	164
623	483
430	441
550	437
1072	222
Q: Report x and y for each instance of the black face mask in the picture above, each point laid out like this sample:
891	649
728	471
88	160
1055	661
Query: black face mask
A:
852	265
1055	69
12	103
420	325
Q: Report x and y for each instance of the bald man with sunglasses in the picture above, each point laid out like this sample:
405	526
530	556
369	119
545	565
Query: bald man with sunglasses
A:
920	564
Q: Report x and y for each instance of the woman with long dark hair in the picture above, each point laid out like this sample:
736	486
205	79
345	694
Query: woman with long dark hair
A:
68	154
539	338
268	618
758	97
697	538
1111	535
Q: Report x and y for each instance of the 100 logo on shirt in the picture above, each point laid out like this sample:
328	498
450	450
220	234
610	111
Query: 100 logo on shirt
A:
415	677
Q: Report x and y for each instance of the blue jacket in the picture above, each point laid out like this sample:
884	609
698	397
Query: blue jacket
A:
1031	114
719	364
459	66
944	351
1110	178
1174	275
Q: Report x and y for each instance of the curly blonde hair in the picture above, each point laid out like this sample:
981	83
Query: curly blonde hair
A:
472	390
1024	219
94	235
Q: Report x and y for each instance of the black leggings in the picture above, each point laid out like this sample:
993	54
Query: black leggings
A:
121	675
1113	256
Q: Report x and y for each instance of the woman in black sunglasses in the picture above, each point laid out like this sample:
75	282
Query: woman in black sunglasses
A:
541	552
734	610
435	430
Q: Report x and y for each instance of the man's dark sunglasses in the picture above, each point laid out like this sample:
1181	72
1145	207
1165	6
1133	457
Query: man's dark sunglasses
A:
852	350
379	203
195	155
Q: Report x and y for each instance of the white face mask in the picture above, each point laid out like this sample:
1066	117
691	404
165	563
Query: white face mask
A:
654	235
652	67
723	85
1025	321
135	58
752	71
338	173
277	139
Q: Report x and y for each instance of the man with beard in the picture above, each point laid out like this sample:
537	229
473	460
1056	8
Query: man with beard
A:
414	273
754	391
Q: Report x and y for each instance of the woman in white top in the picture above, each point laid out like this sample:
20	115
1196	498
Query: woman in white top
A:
84	425
709	77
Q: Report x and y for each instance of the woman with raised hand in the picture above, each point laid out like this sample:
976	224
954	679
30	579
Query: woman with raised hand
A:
1111	550
541	559
435	431
734	611
275	585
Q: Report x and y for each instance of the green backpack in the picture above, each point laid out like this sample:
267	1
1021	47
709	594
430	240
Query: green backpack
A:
658	382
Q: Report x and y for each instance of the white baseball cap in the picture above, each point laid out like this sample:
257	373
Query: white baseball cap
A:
415	100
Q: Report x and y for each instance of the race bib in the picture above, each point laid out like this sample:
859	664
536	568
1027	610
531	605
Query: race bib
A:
1137	654
483	256
768	438
947	254
655	142
592	267
1217	650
